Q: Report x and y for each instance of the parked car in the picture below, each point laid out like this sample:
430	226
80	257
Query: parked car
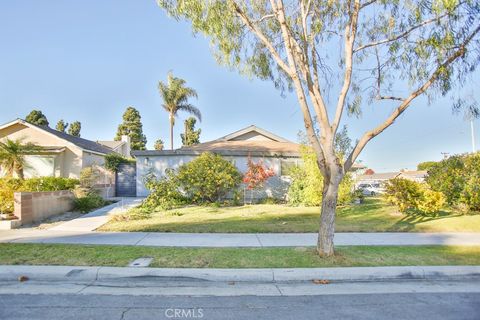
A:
371	189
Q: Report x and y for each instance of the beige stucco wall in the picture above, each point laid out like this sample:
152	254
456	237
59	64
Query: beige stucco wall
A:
66	164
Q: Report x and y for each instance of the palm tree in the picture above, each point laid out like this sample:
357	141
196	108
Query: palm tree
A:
175	97
12	156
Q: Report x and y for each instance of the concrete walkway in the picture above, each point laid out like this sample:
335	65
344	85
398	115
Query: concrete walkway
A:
97	218
233	239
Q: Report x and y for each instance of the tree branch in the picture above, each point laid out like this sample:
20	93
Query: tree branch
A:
263	39
350	33
406	102
402	35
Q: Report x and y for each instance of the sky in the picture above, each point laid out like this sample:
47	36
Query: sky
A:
89	60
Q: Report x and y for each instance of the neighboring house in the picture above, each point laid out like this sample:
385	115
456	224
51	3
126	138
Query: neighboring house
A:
62	155
276	152
381	178
122	146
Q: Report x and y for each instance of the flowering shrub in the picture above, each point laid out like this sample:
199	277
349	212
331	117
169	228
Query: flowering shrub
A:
208	178
257	174
413	197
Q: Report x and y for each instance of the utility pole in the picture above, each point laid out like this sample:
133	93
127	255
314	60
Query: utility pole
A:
473	135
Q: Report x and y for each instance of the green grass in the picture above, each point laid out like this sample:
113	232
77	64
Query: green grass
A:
373	216
302	257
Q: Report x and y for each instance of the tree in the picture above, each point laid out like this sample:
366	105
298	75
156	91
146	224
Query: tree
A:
37	117
427	165
158	144
61	126
75	128
12	156
175	96
191	136
132	127
372	49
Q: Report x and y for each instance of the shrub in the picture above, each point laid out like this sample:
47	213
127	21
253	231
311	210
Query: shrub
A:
49	184
448	177
114	160
8	186
413	197
164	192
471	191
88	203
208	178
307	183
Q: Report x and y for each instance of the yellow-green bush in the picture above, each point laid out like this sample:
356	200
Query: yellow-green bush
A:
307	183
413	197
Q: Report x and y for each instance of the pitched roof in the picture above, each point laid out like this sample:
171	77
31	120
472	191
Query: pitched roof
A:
247	146
253	128
378	176
111	144
82	143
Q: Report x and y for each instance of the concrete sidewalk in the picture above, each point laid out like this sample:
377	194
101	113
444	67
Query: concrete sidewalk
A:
97	218
233	239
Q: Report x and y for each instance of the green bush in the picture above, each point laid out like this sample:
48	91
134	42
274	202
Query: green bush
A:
471	191
208	178
448	177
49	184
88	203
413	197
8	186
307	183
114	160
164	192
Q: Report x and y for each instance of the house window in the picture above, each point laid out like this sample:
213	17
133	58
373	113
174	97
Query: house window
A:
287	165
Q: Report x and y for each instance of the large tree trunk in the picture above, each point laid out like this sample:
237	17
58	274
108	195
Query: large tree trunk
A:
327	217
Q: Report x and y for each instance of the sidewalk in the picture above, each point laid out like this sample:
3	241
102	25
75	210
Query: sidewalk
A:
97	218
233	239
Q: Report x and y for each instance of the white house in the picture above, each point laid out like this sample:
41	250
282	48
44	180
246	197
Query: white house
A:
276	152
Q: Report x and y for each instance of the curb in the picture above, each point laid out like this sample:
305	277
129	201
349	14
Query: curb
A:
79	273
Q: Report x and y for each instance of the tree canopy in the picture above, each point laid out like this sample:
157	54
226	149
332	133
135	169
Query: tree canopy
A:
190	136
132	127
37	117
75	128
61	126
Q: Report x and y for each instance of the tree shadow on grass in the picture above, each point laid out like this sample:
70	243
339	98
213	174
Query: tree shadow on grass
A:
411	219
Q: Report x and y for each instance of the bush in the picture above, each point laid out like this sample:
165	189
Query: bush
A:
49	184
208	178
164	192
448	177
88	203
8	186
114	160
471	191
307	183
413	197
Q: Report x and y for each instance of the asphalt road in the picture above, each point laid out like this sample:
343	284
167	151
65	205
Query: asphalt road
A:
433	302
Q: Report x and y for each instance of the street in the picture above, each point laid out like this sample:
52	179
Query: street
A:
142	299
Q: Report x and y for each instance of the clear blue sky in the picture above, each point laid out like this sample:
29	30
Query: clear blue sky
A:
88	60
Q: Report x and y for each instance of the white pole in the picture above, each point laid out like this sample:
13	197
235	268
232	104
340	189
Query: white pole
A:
473	136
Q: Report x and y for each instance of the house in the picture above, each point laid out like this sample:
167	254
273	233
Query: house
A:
276	152
122	147
381	178
62	155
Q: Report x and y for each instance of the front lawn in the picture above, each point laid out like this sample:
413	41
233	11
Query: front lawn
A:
373	216
348	256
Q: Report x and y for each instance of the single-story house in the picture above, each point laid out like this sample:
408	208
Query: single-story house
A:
276	152
62	155
381	178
